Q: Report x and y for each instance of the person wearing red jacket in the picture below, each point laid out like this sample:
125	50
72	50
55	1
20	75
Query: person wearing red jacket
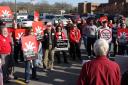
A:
60	36
75	37
5	51
101	70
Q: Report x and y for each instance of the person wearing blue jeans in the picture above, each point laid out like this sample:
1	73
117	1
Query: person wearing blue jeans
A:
30	64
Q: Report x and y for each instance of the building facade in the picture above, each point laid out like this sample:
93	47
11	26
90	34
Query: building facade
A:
86	7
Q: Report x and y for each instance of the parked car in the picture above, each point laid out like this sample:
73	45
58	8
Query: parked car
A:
60	18
26	23
48	18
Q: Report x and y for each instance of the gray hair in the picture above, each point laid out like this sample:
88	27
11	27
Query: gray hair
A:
101	47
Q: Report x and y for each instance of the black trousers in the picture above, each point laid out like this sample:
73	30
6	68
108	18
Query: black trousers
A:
58	56
17	51
75	50
122	49
90	43
114	46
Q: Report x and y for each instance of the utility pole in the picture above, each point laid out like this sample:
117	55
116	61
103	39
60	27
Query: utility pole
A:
15	23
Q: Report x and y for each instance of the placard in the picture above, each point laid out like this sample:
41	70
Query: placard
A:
19	33
5	12
38	29
106	34
62	45
29	46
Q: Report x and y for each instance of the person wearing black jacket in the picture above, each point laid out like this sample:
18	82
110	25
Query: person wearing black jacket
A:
49	45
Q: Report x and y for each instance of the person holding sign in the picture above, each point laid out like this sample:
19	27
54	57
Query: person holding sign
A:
29	45
60	36
75	36
49	46
105	32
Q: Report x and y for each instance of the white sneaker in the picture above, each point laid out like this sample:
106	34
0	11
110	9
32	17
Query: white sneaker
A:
52	69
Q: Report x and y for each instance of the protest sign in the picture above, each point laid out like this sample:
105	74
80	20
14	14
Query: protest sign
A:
62	45
38	29
106	34
29	46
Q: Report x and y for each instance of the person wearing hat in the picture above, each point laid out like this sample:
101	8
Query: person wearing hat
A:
48	45
103	34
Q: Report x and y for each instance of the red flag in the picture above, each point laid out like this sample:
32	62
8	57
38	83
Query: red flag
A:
36	16
5	12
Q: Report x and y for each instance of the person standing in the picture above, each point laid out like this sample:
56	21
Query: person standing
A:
91	34
30	64
114	36
49	45
5	51
18	48
75	37
60	35
122	42
100	71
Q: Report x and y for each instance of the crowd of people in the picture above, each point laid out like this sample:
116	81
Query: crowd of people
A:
11	52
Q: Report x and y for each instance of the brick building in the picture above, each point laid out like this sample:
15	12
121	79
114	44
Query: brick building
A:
86	7
113	7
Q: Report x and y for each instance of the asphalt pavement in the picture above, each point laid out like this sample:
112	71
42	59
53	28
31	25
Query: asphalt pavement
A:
64	74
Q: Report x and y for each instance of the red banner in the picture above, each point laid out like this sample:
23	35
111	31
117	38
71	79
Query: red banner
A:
38	29
19	33
5	12
36	16
29	46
